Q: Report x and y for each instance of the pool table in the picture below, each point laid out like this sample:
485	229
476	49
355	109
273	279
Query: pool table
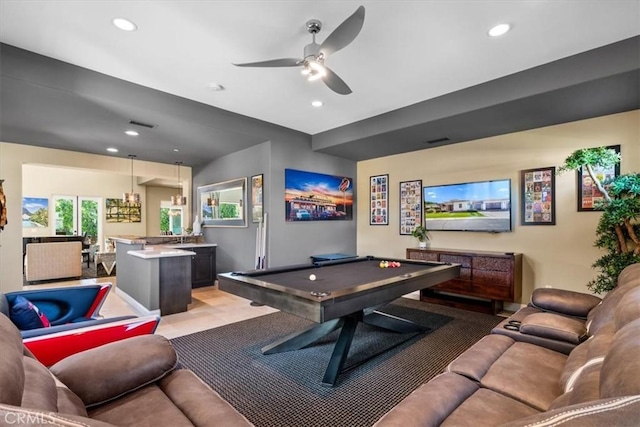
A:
341	294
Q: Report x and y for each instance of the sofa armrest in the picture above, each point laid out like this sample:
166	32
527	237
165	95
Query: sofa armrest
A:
565	302
606	412
112	370
555	327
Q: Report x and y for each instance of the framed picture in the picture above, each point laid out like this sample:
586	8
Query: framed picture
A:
256	198
379	200
410	205
588	193
223	204
35	212
119	211
538	196
312	196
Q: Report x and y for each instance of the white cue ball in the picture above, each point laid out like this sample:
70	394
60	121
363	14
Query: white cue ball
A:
312	277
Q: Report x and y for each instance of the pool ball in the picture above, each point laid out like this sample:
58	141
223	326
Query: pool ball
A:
312	277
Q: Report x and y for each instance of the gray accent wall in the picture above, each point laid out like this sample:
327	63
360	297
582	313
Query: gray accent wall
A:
287	243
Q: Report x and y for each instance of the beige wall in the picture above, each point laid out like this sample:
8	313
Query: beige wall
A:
559	256
47	181
12	159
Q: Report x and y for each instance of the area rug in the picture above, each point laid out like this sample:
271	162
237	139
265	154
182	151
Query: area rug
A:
285	389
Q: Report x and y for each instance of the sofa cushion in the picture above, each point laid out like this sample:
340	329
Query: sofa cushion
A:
39	387
124	366
628	309
68	401
11	355
452	400
148	403
621	366
569	303
477	359
554	327
605	312
26	315
630	272
519	370
198	401
527	373
583	386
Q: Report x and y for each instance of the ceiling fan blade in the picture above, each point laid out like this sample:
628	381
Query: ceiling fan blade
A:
335	83
344	34
282	62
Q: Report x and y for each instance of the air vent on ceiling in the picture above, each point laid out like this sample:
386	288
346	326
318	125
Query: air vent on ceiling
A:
144	125
435	141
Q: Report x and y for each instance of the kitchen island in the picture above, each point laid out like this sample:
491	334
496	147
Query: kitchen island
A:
153	279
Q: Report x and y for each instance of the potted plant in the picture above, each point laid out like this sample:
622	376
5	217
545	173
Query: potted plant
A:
422	234
618	229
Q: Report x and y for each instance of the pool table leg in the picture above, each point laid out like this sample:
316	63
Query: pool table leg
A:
341	349
299	340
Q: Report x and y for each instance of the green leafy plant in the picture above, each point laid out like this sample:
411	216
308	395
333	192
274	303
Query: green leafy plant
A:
421	233
618	229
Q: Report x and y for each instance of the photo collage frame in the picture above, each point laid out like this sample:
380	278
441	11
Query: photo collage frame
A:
410	206
379	200
538	196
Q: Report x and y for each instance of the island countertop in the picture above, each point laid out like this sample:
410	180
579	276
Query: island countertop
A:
191	245
152	252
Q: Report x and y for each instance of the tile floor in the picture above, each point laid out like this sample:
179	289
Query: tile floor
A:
210	308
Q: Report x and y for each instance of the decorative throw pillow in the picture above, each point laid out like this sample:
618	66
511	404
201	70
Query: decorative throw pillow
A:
27	316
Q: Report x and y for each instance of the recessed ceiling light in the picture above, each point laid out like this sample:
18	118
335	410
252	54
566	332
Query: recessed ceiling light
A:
131	132
317	103
216	87
112	150
124	24
176	150
499	30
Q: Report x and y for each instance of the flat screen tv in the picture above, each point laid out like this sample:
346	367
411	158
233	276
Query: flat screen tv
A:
470	206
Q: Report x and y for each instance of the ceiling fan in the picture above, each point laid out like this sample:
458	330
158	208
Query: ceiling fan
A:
315	54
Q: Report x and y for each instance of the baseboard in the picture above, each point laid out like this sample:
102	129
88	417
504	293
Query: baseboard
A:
139	308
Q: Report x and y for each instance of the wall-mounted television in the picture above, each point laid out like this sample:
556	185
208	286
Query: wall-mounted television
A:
470	206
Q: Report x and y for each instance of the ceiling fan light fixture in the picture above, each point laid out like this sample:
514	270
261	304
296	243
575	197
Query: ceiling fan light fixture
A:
316	70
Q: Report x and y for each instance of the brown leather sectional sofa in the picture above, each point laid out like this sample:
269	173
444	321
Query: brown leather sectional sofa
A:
575	361
134	382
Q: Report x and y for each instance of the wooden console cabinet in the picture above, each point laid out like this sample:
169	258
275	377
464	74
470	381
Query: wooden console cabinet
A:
487	279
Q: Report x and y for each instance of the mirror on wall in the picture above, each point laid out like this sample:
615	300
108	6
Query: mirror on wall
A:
223	204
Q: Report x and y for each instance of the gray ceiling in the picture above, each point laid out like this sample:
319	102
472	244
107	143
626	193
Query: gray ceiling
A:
72	106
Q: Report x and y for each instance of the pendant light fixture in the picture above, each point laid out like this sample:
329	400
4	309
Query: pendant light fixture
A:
131	197
179	199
